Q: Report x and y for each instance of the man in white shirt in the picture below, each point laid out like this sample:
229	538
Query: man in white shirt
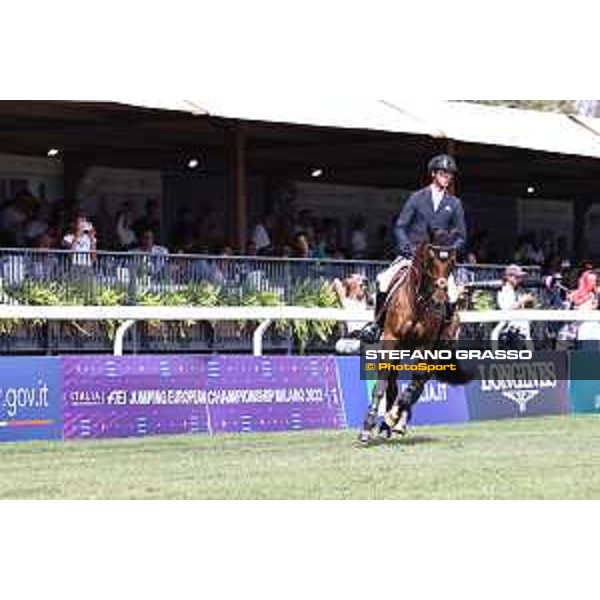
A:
508	299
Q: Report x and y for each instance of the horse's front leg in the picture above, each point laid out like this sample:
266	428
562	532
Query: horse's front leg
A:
379	391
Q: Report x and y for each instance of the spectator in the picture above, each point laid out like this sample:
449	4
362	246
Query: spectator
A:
147	245
301	246
305	225
251	248
125	228
44	266
81	240
104	223
262	233
359	238
13	219
320	248
154	261
553	285
508	299
149	221
352	295
588	332
587	286
35	226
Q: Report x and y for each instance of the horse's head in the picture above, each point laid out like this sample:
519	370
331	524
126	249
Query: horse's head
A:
437	259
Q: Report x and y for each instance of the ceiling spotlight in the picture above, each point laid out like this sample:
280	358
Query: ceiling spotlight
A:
193	163
531	190
53	152
316	173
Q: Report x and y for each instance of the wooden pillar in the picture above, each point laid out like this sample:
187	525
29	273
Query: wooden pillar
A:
239	188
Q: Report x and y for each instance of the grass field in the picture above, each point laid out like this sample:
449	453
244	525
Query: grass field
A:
555	457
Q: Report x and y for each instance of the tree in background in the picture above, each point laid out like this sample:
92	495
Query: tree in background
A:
588	108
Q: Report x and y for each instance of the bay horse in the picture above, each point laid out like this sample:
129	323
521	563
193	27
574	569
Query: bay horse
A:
417	318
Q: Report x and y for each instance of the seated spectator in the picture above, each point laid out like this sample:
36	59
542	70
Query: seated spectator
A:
301	246
147	246
155	260
588	332
553	285
286	251
352	296
320	248
587	286
251	249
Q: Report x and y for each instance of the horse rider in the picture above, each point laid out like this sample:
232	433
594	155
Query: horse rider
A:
428	209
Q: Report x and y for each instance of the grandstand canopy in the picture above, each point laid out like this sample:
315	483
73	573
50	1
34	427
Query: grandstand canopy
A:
383	143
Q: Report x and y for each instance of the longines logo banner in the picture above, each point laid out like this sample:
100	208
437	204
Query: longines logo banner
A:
512	390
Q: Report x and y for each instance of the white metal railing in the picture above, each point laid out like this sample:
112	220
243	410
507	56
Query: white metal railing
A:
265	315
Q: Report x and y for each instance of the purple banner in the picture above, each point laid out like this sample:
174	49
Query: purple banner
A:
156	395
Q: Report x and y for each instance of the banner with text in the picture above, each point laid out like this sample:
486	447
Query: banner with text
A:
29	399
152	395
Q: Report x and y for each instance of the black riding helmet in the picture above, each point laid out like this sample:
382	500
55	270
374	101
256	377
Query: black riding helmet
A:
443	162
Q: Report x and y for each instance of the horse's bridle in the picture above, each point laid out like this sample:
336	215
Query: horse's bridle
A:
425	300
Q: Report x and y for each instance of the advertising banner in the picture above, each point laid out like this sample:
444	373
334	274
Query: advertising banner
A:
440	403
152	395
29	399
503	392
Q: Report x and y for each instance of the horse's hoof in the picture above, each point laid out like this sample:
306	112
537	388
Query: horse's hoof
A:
400	430
385	431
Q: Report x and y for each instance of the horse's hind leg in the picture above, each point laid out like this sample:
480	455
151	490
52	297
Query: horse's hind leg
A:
370	421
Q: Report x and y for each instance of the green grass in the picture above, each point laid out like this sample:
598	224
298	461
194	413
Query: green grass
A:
554	457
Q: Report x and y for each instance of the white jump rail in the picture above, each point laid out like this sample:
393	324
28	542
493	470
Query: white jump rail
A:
265	315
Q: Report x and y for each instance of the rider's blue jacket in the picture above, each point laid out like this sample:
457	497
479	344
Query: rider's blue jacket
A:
418	218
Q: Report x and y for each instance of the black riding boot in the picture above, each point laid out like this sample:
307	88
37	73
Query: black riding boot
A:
371	333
